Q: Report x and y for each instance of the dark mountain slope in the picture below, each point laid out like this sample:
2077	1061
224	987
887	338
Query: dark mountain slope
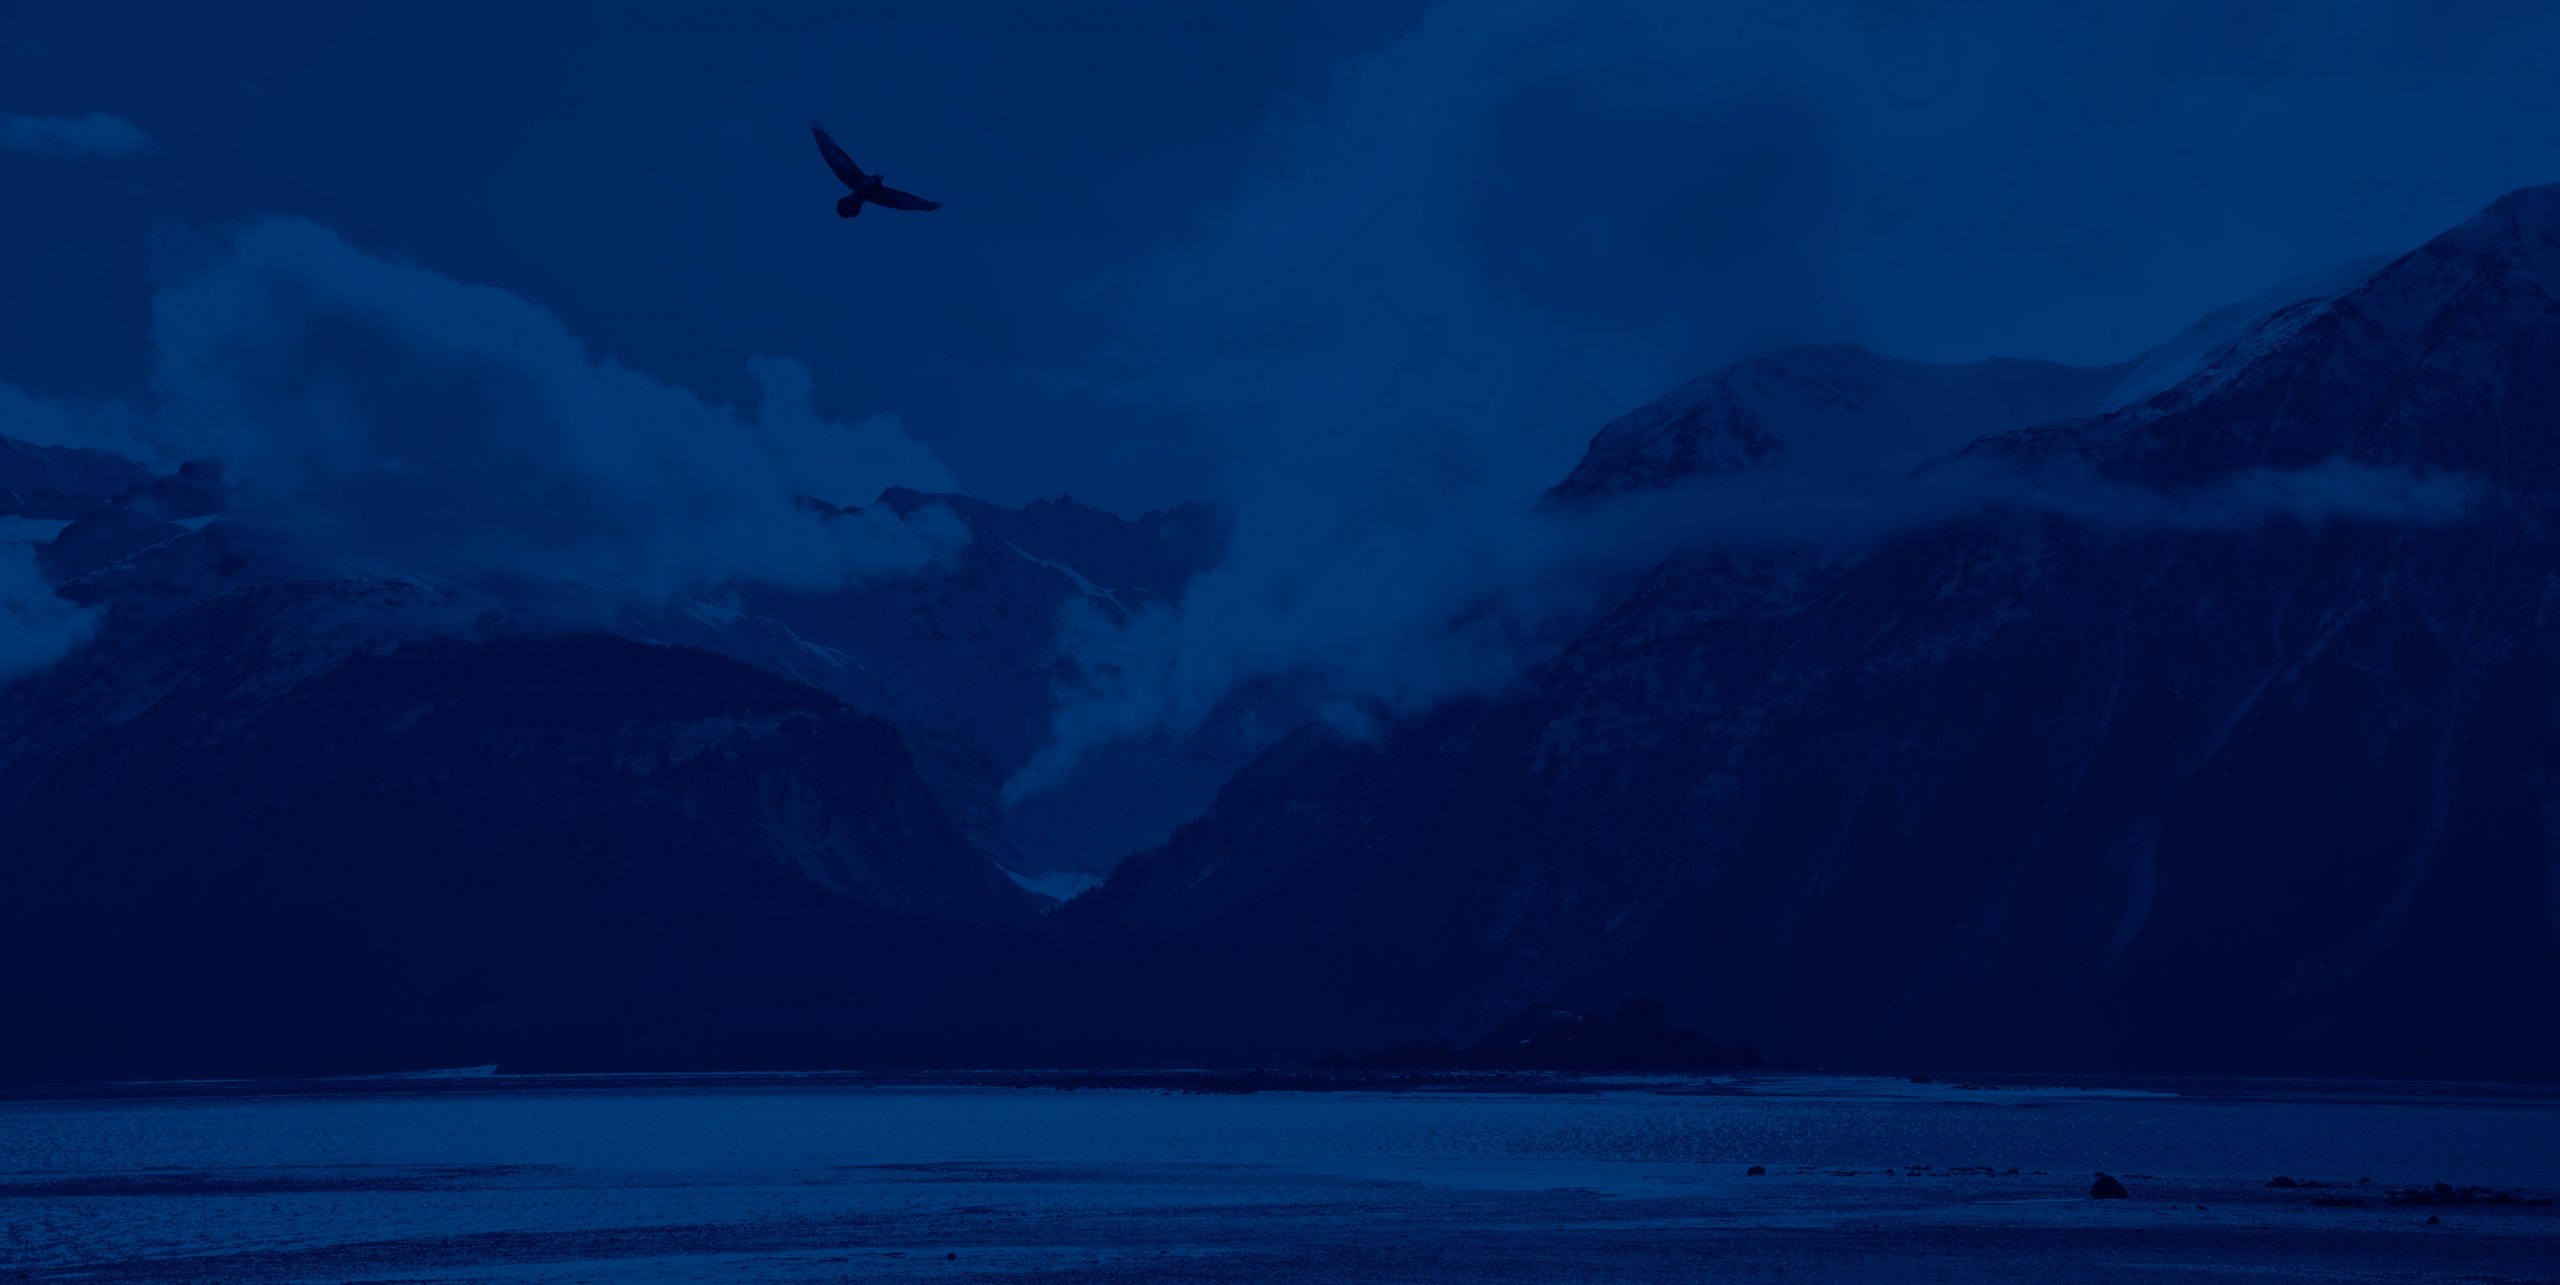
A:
2187	784
466	850
59	483
2230	750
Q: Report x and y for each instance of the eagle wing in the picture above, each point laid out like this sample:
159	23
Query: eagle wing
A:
847	172
897	200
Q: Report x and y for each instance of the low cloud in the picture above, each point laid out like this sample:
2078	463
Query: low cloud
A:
1438	268
845	465
96	134
396	418
1401	618
1448	260
36	628
1465	246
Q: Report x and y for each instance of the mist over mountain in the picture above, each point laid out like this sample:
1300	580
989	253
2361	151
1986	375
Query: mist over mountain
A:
2017	785
1452	640
2185	713
1417	512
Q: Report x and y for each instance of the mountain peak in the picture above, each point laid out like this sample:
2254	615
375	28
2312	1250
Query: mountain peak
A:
1830	408
1844	407
2525	216
2430	361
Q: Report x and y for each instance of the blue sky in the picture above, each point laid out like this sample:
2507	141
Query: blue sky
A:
1400	237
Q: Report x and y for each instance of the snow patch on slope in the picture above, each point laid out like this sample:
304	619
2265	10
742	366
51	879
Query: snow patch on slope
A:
1083	586
2220	333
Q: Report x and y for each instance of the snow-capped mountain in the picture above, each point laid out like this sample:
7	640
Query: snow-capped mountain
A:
350	790
259	743
227	662
2202	718
2217	762
382	821
1845	410
1836	408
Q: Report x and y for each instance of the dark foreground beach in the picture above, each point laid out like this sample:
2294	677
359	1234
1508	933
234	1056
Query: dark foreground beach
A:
1149	1178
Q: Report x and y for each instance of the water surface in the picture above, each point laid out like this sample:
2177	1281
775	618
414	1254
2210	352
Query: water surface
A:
820	1179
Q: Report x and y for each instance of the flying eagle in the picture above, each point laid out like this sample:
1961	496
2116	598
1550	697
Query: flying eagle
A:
870	188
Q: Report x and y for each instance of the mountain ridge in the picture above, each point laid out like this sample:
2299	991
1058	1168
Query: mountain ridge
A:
2009	786
2047	785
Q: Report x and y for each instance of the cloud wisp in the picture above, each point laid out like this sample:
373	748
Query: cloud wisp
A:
96	134
51	421
1411	618
36	627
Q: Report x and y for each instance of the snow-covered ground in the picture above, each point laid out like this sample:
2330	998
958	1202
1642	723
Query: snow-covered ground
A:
800	1180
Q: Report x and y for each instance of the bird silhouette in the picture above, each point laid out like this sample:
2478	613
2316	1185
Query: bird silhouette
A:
867	188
